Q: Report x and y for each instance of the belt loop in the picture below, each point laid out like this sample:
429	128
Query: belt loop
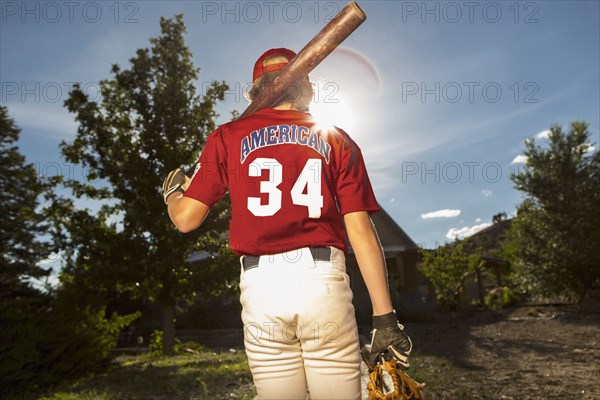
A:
242	269
249	262
321	253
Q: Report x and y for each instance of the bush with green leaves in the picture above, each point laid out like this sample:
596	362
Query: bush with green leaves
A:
448	268
155	347
553	241
501	297
57	346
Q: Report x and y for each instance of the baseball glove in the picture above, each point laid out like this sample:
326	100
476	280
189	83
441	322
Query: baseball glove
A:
405	388
173	183
387	337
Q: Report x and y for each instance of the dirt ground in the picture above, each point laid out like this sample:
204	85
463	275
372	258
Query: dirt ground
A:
521	353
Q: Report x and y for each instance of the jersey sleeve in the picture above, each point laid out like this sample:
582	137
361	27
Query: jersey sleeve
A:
353	187
209	182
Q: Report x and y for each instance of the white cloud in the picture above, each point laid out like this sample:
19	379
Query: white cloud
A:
446	213
543	134
589	148
520	159
486	193
478	220
466	231
51	119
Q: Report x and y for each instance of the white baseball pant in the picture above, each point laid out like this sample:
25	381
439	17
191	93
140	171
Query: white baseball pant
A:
300	329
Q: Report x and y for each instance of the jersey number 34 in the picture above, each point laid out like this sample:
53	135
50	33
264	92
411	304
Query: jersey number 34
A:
305	192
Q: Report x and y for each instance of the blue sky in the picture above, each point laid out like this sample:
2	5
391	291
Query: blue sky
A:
439	95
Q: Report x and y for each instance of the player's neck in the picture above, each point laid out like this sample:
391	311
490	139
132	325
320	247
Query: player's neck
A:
285	106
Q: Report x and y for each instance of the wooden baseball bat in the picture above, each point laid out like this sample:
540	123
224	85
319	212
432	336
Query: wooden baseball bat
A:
335	32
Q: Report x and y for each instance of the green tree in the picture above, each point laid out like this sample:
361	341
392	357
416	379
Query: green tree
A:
553	241
21	225
149	121
20	228
448	268
45	336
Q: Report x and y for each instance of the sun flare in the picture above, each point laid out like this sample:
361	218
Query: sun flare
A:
333	110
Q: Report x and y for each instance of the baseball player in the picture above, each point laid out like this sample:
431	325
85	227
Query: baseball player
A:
297	192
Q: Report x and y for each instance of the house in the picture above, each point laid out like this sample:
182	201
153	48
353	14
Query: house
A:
487	243
408	286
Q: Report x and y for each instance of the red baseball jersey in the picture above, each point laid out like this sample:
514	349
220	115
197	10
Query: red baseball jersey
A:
290	183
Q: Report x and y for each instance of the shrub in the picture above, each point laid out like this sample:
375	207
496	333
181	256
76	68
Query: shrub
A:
448	268
501	297
509	297
155	348
42	351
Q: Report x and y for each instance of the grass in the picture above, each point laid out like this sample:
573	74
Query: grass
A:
202	375
206	375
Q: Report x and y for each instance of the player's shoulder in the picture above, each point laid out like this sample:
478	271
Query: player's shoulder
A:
220	133
236	125
338	136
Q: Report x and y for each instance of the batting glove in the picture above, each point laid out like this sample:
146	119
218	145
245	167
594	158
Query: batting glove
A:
387	339
173	183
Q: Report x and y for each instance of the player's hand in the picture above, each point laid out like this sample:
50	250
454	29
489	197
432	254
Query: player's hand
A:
176	181
387	339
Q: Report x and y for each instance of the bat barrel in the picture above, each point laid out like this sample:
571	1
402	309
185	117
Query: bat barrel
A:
335	32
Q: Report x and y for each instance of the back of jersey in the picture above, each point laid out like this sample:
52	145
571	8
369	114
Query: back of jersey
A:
289	182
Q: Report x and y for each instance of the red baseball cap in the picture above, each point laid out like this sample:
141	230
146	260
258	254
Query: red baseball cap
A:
260	69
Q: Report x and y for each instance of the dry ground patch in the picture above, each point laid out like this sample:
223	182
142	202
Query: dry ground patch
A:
516	354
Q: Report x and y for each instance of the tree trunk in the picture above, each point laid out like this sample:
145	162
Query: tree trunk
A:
480	287
168	328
